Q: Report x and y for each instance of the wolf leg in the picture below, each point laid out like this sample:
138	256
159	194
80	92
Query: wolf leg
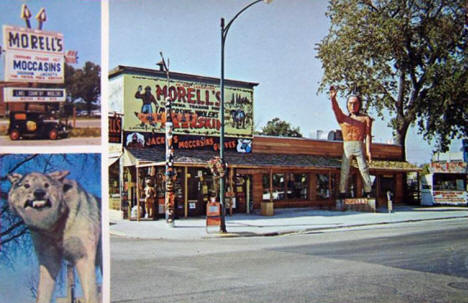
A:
50	261
86	268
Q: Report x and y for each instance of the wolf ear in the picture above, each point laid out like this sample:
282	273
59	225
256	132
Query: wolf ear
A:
59	175
14	177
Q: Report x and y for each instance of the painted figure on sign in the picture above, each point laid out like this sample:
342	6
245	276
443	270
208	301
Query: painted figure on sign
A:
147	98
357	129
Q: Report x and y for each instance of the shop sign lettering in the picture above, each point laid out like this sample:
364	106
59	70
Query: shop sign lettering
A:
134	139
23	94
115	129
450	197
25	39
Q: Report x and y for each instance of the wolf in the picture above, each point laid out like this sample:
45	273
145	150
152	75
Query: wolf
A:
64	221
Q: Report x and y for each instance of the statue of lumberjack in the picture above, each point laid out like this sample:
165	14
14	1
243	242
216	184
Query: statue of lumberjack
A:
356	129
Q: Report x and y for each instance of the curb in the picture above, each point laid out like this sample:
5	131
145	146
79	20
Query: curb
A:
247	234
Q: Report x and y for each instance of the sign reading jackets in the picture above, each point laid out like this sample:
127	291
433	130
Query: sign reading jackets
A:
195	107
33	55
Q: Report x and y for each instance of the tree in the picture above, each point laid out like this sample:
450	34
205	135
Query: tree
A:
277	127
84	83
406	58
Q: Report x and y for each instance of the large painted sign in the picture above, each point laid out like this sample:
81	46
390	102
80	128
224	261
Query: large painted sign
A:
33	55
451	167
195	107
24	94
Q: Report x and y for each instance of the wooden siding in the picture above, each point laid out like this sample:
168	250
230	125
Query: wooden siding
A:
257	189
302	146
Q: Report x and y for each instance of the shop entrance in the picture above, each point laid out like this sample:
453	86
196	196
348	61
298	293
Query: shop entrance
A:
198	191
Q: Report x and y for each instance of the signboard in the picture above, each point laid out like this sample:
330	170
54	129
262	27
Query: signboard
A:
71	57
115	129
24	94
451	167
450	197
213	214
195	107
143	139
33	55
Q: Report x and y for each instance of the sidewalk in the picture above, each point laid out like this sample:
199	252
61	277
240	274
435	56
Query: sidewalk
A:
292	220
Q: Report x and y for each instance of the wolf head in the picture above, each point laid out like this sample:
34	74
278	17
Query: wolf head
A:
38	198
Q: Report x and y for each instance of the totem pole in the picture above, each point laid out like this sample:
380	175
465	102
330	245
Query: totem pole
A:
170	170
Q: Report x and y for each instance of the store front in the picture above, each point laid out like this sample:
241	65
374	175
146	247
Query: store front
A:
288	172
286	180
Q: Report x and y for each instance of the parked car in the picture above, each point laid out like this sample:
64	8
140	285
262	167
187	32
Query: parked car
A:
35	125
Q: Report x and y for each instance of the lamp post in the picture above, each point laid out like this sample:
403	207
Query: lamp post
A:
224	32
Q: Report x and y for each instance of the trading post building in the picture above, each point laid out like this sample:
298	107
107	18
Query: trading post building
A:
287	172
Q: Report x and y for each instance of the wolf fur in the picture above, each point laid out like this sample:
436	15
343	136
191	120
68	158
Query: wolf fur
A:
64	221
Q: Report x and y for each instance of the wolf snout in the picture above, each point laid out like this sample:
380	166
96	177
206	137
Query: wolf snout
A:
39	194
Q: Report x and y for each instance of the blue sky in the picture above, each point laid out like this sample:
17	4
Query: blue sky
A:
78	21
272	44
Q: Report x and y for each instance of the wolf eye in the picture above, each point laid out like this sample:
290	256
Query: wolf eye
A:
26	185
46	185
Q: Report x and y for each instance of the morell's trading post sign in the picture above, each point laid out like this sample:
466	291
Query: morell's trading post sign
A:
33	55
195	107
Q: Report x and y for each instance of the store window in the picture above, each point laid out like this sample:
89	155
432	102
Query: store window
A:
278	187
297	186
323	191
285	187
447	182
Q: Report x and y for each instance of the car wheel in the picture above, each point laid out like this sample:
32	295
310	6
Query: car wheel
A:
14	134
53	134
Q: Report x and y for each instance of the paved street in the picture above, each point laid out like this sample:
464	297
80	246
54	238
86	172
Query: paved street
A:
403	262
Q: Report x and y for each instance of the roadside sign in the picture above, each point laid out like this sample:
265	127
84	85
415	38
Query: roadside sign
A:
213	214
23	94
33	55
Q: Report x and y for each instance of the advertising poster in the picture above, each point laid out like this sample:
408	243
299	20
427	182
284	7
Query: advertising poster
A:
195	107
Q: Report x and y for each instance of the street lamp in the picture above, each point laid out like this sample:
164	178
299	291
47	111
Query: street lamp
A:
224	32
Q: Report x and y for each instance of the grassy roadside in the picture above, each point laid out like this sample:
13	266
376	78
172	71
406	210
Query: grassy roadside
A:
85	132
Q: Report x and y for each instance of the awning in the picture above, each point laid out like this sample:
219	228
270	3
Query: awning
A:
156	156
112	158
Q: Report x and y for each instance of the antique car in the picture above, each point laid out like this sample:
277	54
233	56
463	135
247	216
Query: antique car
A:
32	125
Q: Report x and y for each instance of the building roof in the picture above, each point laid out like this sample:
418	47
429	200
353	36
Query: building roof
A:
156	156
122	69
234	159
